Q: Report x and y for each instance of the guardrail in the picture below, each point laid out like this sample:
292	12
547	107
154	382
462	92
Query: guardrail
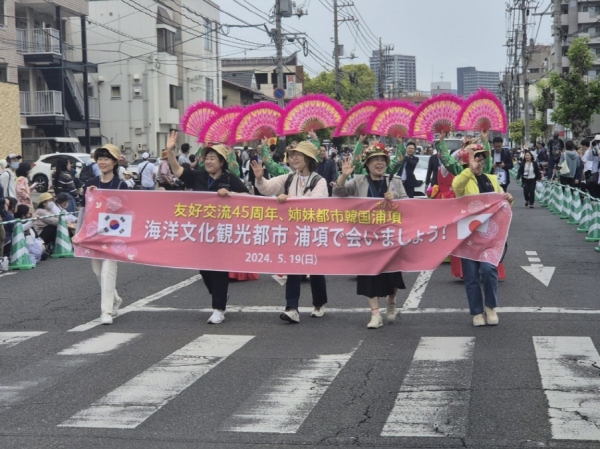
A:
38	40
41	103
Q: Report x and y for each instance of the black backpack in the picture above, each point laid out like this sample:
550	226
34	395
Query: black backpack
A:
313	183
86	173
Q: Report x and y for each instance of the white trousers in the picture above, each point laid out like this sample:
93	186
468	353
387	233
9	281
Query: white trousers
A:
106	272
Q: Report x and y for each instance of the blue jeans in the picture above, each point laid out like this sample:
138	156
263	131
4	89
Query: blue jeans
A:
149	188
317	286
474	275
550	167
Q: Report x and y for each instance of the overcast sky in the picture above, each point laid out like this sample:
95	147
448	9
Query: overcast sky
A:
442	34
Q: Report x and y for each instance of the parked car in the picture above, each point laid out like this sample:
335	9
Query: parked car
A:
42	169
421	174
133	167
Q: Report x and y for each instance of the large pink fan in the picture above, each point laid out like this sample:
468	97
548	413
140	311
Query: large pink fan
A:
392	119
218	129
436	115
197	115
255	122
310	113
356	119
482	111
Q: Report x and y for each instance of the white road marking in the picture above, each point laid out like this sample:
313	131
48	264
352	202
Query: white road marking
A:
106	342
434	398
287	397
531	253
416	293
570	368
535	259
276	309
139	303
132	403
8	339
541	273
34	379
10	273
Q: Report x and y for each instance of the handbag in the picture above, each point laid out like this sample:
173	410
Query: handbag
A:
564	167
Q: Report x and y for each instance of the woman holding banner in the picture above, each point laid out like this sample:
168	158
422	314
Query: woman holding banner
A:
303	182
107	158
213	177
375	184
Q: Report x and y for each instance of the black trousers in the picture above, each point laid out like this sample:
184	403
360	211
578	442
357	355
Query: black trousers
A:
529	190
410	191
217	283
48	234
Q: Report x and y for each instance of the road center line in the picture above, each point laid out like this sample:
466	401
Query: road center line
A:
139	303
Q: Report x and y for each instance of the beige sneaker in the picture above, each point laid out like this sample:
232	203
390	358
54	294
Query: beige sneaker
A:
478	320
491	316
390	314
318	312
376	322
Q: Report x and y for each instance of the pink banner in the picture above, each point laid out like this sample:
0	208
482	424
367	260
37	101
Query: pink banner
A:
336	236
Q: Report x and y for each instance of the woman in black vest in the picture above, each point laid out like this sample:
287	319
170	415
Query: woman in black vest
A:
215	177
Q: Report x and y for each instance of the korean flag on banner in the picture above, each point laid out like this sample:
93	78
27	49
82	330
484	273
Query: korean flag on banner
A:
469	225
115	225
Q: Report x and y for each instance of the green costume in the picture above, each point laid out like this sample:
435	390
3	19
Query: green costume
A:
273	168
454	167
393	166
234	167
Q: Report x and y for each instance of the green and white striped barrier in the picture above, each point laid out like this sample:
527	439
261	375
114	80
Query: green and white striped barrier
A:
586	215
594	231
19	256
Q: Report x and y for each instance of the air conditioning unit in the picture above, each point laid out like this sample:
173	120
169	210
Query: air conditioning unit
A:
137	91
100	79
136	77
139	146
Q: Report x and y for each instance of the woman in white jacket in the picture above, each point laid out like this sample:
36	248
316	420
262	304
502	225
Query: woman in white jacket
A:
375	184
302	182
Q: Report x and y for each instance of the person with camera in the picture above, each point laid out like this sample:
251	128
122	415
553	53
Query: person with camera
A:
502	161
591	160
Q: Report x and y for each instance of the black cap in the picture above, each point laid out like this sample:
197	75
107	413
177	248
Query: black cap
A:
62	197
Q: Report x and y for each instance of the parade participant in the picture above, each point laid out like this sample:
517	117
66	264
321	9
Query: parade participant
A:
22	186
303	182
375	184
407	169
471	181
276	169
529	173
395	164
214	177
107	158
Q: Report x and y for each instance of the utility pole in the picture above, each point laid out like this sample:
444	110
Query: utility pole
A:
557	48
336	44
525	61
279	45
380	70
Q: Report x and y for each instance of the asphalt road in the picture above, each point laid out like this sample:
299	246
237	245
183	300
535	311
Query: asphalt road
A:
155	380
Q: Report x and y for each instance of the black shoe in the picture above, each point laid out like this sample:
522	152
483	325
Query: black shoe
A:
45	256
50	248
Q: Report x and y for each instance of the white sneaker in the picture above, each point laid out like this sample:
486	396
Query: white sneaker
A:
318	312
390	314
478	320
116	305
290	315
376	322
217	317
106	318
491	316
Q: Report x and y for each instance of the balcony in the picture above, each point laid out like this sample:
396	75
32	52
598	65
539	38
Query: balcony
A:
41	104
94	104
38	41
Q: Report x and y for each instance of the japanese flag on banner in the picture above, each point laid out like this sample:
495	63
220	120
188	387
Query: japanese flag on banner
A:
467	226
115	224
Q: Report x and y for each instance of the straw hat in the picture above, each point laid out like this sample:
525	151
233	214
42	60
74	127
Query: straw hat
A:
462	156
112	149
45	197
220	149
307	149
164	155
377	149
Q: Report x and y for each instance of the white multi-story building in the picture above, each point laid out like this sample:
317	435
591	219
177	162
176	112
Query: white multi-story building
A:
154	60
400	73
469	79
581	18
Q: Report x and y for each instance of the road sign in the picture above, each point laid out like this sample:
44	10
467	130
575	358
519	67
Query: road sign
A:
279	93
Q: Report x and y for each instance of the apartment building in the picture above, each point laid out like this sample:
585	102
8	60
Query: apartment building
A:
154	60
400	73
43	57
581	18
469	79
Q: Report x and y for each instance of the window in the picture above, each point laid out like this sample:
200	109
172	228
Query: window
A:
208	38
115	91
91	91
534	70
3	73
166	40
2	17
597	51
175	93
210	92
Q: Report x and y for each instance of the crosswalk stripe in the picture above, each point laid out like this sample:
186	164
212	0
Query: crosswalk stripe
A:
97	345
286	399
35	378
569	367
132	403
8	339
417	291
434	398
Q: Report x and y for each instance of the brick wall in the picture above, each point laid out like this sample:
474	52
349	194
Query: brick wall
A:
10	120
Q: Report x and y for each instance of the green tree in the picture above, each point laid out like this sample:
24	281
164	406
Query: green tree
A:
578	98
357	84
543	102
517	130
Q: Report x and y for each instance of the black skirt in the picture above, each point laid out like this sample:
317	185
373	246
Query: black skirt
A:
381	285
